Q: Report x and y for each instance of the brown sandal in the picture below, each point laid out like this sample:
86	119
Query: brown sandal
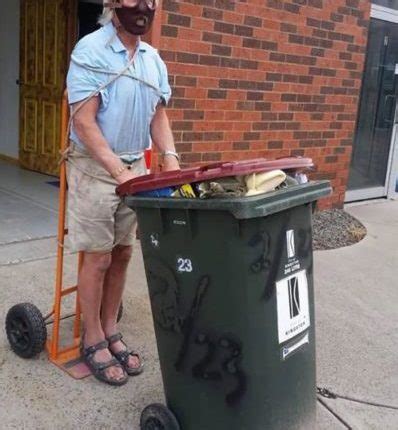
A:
98	368
123	356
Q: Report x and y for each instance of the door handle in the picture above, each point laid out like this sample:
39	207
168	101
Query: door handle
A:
388	109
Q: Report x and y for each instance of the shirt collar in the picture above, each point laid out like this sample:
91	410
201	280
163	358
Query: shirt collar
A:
115	43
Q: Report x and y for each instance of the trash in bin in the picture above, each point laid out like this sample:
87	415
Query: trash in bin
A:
231	289
301	178
185	191
224	179
221	188
160	192
245	186
257	183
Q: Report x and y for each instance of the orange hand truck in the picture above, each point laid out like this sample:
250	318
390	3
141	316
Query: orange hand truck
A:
26	327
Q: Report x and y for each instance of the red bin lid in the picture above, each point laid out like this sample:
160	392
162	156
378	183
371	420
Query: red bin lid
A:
208	172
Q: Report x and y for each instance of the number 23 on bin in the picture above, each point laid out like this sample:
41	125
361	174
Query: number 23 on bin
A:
184	265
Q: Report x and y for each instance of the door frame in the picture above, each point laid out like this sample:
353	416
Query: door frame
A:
388	190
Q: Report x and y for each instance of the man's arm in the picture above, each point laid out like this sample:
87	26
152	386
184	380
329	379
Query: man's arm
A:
86	127
162	138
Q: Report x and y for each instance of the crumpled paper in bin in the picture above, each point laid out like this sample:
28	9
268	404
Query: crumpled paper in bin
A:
259	183
222	188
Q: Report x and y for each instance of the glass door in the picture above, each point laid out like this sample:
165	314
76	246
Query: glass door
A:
372	143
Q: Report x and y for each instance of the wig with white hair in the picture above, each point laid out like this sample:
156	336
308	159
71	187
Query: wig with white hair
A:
106	16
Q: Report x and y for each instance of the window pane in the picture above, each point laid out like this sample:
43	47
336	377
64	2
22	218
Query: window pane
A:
377	107
392	4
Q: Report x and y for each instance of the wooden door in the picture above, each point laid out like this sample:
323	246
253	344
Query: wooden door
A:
47	33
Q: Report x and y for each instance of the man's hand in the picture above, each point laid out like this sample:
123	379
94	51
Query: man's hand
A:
170	163
125	176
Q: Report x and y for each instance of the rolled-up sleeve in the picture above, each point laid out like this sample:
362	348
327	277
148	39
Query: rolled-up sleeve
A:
81	81
164	82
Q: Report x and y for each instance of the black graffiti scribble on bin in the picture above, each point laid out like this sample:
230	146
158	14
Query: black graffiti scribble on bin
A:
222	362
304	247
263	262
232	366
202	370
280	246
189	321
267	262
165	297
215	365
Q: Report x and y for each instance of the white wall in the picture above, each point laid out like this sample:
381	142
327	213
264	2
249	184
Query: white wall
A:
9	73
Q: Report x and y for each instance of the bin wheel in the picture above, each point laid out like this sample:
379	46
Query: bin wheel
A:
26	330
158	417
120	313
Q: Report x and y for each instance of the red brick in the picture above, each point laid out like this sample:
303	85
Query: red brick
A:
291	69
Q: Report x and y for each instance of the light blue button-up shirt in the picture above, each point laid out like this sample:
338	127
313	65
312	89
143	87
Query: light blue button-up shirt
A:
127	105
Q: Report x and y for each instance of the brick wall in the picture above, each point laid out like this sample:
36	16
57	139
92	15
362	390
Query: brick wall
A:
266	78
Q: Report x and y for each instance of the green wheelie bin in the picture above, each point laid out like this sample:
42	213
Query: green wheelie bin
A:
232	296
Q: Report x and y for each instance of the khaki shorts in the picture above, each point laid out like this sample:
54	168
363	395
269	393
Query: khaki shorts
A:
97	218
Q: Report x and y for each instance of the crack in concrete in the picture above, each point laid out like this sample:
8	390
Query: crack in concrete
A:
335	414
30	260
28	199
33	239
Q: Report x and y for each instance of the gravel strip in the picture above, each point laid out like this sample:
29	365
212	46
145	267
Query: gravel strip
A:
336	228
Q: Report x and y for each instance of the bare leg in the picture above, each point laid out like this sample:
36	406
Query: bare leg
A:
112	296
90	284
115	279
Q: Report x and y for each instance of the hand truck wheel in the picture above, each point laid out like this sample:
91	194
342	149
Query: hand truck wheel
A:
158	417
26	330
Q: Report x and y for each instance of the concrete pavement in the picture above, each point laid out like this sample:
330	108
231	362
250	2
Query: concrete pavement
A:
356	303
37	395
357	319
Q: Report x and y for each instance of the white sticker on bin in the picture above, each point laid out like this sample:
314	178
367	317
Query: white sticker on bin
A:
155	240
288	350
292	305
